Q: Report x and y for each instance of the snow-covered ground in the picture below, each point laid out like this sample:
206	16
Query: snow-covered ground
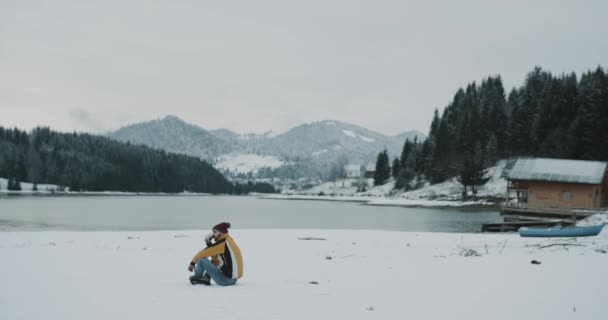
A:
349	275
349	187
452	189
247	163
598	218
27	187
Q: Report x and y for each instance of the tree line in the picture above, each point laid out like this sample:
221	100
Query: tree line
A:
548	116
86	162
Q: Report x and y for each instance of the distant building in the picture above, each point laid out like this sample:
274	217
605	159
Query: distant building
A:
352	171
370	169
554	187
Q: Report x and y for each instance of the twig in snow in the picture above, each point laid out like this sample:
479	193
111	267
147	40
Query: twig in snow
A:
486	245
312	238
503	246
560	244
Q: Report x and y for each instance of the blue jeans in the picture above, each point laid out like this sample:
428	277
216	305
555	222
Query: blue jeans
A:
206	266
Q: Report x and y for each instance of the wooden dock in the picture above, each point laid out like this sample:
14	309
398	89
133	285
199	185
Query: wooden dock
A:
513	226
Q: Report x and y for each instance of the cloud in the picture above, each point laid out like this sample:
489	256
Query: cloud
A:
83	119
382	64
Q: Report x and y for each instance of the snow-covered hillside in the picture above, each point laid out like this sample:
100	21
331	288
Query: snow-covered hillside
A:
339	187
236	163
350	187
450	190
172	134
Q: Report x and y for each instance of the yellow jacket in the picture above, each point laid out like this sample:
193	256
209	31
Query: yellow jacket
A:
225	254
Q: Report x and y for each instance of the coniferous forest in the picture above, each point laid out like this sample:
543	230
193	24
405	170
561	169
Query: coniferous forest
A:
548	116
85	162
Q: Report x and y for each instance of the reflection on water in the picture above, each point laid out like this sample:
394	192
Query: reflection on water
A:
202	212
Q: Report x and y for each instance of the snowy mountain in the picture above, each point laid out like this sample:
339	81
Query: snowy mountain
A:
172	134
339	138
307	150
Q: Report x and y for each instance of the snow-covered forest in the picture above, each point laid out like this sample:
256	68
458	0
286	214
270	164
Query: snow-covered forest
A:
85	162
548	116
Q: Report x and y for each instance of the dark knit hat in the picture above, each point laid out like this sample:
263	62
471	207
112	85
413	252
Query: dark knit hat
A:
222	227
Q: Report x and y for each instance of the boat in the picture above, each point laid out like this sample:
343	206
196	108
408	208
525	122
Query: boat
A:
561	231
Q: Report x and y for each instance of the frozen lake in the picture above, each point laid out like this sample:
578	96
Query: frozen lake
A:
31	213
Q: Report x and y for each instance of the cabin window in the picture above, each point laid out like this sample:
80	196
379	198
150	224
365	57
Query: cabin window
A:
566	196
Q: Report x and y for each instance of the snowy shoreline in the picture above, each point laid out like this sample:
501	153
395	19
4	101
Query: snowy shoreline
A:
51	189
364	200
351	274
388	201
96	193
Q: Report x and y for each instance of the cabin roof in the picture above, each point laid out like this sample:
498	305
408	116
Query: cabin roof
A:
555	170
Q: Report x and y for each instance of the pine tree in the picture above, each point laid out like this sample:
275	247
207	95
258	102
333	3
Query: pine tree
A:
408	147
465	176
383	169
426	153
473	170
498	119
434	124
491	151
13	184
395	168
442	154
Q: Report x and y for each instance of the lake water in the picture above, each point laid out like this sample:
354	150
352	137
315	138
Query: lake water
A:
202	212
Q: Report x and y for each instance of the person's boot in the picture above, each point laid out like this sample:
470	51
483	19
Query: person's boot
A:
205	280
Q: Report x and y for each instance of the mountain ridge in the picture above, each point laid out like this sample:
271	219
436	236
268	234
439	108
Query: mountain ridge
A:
314	146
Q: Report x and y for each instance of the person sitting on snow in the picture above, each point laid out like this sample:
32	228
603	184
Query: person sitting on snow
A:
226	264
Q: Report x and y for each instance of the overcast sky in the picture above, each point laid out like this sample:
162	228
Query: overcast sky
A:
253	66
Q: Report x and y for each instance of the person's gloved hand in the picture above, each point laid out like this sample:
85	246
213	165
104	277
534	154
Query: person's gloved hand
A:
190	267
208	239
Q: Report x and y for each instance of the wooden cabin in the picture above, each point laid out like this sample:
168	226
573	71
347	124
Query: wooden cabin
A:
555	187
